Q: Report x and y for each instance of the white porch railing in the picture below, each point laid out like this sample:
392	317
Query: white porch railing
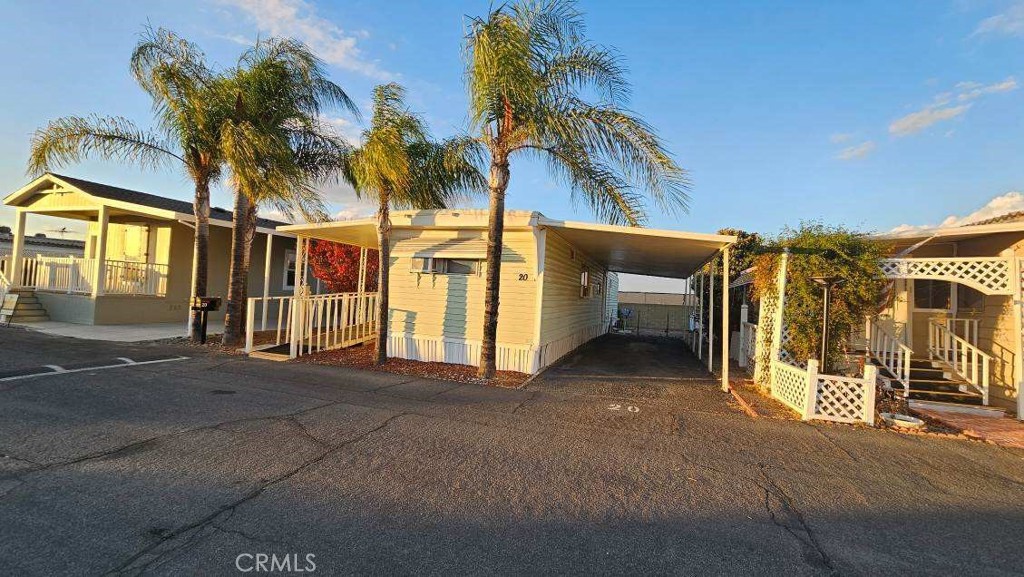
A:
825	397
964	328
964	359
334	321
990	275
76	275
890	351
273	312
28	270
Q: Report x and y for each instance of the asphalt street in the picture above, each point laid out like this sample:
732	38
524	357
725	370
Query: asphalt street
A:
625	458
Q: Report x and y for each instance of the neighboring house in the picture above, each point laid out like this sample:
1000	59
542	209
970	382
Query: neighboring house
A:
135	266
40	244
650	312
558	281
956	305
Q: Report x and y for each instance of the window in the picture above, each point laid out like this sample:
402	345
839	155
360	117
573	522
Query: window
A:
585	284
289	269
968	298
456	266
932	294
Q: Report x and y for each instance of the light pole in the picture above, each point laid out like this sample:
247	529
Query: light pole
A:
827	283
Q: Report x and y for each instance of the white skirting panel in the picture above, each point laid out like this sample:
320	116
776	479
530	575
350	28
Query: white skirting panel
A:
520	358
556	349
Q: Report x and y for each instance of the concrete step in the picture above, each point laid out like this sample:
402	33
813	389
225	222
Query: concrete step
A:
29	316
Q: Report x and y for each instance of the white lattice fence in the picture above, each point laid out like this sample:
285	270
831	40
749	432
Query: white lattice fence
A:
845	399
762	366
749	349
990	275
789	385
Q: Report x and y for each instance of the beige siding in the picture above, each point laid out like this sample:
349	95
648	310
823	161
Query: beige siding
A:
451	306
564	312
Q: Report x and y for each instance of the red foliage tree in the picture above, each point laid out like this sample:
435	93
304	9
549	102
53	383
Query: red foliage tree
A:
337	266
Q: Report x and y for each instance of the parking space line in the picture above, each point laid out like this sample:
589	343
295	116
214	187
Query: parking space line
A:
58	370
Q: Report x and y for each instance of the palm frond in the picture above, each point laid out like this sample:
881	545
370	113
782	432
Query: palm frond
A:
73	138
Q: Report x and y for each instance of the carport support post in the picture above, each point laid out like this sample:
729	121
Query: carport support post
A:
100	274
725	319
266	280
296	316
711	317
699	347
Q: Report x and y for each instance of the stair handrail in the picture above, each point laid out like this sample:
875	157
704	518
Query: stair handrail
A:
964	359
890	351
5	285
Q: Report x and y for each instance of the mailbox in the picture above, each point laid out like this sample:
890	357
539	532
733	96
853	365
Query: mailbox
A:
202	306
206	304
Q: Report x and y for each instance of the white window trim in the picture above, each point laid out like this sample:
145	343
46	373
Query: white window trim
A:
289	257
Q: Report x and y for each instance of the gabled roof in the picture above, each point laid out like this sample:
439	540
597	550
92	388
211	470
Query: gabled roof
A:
135	197
46	241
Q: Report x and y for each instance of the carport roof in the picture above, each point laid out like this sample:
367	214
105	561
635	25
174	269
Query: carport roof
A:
644	251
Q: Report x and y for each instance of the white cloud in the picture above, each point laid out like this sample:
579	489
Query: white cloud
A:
1009	23
840	137
345	128
942	109
929	115
856	152
297	19
353	212
1002	204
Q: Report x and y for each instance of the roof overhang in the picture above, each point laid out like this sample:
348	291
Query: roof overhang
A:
634	250
119	208
644	251
952	233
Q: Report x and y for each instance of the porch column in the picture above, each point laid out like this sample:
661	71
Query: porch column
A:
266	281
99	275
725	319
1018	329
296	317
14	275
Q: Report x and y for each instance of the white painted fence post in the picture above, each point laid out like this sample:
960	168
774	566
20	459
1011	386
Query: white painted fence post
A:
811	399
250	314
870	378
744	319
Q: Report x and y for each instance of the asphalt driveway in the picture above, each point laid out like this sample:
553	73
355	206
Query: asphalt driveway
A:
191	467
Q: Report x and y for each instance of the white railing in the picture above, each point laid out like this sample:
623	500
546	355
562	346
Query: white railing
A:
964	359
990	275
825	397
273	312
333	321
5	286
966	329
63	273
135	278
890	351
76	275
28	270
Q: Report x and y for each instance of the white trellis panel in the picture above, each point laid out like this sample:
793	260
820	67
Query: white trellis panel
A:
844	399
990	275
789	385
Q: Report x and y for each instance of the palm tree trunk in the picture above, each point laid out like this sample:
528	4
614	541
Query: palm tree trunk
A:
383	276
498	183
200	253
238	280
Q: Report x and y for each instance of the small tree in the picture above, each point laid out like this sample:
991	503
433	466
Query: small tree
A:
821	250
337	266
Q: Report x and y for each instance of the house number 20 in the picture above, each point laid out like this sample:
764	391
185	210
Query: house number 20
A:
524	276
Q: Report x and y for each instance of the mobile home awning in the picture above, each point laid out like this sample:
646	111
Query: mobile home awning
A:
644	251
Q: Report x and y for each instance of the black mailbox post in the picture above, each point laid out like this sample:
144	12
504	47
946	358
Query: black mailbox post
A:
204	305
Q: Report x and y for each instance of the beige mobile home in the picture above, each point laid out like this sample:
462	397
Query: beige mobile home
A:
558	281
137	261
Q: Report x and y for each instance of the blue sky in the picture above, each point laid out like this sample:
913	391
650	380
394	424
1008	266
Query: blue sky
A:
871	114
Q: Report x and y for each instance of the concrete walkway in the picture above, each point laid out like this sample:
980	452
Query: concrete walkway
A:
118	333
999	429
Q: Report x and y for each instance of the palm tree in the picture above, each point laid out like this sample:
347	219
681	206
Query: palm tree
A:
529	72
173	72
399	165
276	148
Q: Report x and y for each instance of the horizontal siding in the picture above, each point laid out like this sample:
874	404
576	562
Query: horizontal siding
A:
564	313
452	306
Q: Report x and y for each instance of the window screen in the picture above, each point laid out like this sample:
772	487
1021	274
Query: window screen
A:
968	298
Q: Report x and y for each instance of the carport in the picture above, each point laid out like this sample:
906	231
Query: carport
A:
695	257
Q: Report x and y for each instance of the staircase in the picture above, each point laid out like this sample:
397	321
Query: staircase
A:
29	309
930	381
